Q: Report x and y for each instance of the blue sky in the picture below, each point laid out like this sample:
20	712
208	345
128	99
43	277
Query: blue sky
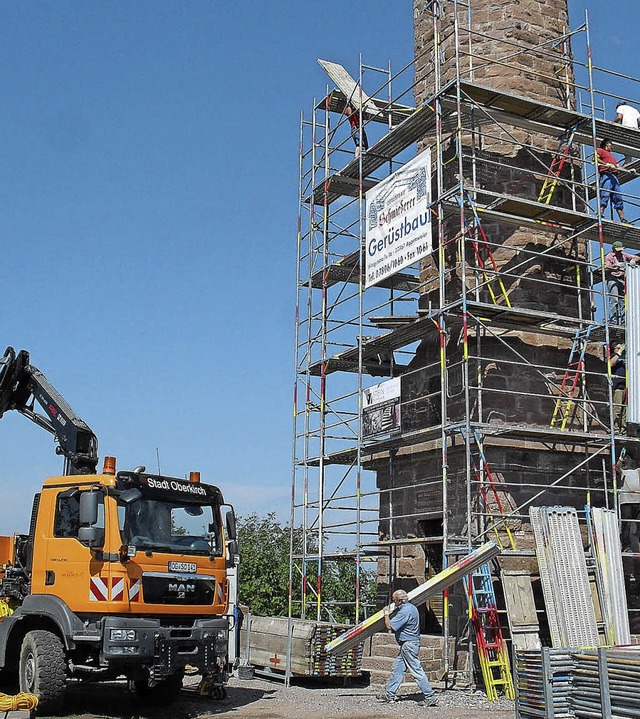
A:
148	169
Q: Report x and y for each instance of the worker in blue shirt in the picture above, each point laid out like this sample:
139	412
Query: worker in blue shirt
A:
405	623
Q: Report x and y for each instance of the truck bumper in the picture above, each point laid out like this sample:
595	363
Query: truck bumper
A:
163	650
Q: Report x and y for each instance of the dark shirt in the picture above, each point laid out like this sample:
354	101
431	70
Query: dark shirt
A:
619	375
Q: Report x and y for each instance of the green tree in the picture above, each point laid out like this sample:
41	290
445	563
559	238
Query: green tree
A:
264	573
264	565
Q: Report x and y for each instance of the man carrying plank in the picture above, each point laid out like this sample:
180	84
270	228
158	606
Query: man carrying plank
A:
405	623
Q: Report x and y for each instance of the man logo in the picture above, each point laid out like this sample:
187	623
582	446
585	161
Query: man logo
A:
182	589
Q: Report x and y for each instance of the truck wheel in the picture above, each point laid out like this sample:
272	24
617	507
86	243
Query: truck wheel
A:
42	669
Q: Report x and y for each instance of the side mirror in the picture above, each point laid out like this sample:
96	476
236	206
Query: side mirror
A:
232	532
89	537
88	534
88	509
233	557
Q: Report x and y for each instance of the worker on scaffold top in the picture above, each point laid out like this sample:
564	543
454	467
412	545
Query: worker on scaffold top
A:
406	625
627	115
609	183
357	132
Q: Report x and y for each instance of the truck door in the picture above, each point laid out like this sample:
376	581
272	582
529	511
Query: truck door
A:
66	568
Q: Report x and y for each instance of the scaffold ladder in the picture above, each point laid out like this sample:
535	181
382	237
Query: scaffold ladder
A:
474	230
485	480
492	651
571	378
557	163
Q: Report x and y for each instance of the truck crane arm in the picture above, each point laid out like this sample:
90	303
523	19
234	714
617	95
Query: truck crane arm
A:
21	385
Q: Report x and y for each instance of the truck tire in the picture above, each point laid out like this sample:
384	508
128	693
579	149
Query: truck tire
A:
42	669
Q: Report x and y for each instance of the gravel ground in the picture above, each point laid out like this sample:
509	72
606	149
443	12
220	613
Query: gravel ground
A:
261	699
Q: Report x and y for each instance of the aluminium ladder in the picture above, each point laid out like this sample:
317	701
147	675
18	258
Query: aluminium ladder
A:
492	650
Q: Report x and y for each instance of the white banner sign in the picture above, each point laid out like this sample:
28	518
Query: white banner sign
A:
399	220
381	408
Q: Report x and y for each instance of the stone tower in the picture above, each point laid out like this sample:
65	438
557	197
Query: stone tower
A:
539	274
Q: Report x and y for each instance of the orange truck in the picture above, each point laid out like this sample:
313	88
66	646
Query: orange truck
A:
122	574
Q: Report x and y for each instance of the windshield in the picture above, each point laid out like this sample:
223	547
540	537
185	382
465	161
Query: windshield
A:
175	527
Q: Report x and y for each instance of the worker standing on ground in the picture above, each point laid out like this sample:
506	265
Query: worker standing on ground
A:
609	183
357	131
615	265
405	623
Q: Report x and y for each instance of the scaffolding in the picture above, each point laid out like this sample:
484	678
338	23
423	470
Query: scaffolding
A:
461	330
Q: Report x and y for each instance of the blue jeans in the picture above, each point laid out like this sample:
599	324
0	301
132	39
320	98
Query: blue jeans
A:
408	660
610	188
364	141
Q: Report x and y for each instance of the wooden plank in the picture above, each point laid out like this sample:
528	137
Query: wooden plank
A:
344	82
521	609
417	596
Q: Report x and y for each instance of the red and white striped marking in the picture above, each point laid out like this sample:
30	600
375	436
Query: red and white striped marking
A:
134	590
117	589
98	590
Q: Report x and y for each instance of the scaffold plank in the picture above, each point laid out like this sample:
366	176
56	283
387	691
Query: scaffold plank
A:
418	596
538	116
335	273
564	575
529	213
344	82
482	313
594	439
399	138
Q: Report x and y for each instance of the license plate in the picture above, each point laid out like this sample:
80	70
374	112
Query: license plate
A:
183	567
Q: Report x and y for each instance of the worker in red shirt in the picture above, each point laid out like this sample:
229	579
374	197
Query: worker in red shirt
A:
609	183
357	132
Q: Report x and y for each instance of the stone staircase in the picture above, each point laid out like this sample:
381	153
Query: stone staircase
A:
383	649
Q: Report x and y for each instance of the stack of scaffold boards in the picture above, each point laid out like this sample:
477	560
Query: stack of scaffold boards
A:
586	609
267	646
543	686
582	683
607	683
333	665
